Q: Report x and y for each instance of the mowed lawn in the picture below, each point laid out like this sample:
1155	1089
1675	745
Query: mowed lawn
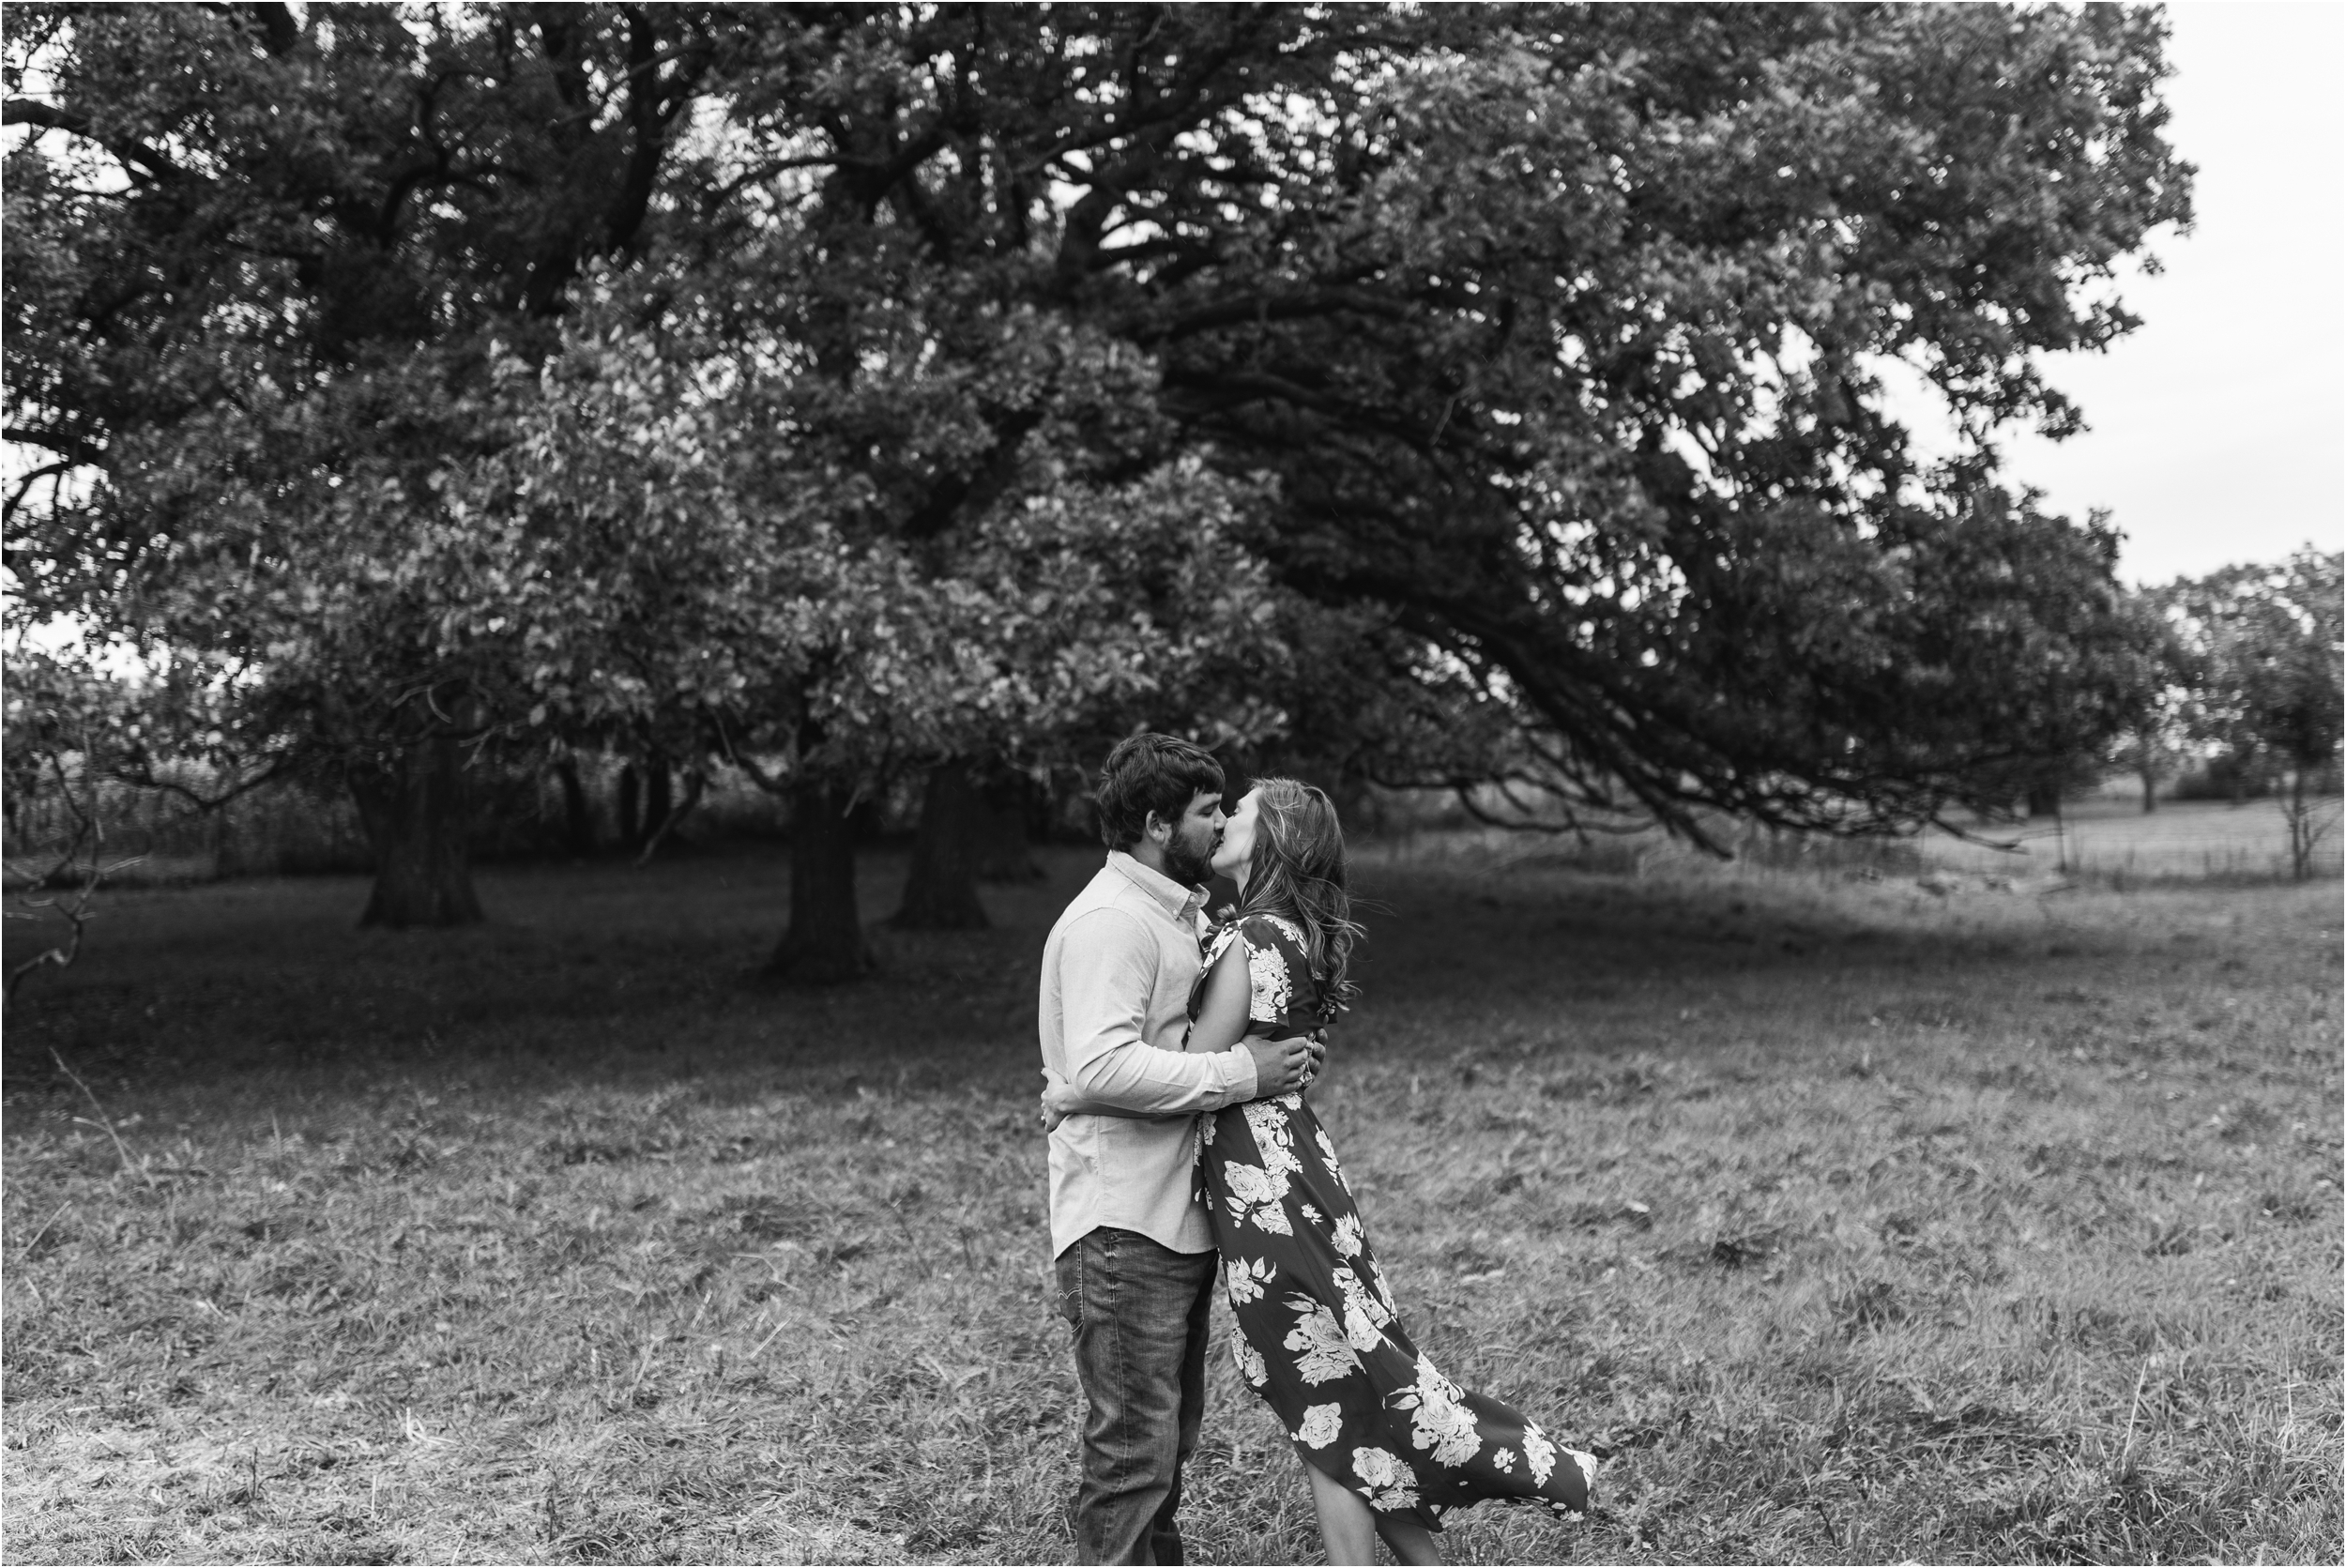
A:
1850	1223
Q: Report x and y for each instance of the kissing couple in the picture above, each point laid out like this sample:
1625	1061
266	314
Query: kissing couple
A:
1176	1057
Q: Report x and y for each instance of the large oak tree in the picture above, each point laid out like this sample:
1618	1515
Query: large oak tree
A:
1551	336
1572	351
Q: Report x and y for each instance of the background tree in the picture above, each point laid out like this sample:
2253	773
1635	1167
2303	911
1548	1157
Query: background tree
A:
2152	746
1556	327
945	181
1566	355
1547	334
260	264
682	551
391	210
2267	641
63	726
82	742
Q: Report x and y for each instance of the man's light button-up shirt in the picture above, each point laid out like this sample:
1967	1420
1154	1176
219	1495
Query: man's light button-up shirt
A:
1113	1011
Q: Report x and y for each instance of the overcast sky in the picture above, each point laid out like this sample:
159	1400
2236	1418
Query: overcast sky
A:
2219	429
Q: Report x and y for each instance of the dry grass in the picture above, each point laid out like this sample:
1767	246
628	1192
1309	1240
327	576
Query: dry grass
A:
1856	1225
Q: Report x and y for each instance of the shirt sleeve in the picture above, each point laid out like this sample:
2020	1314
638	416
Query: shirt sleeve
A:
1107	973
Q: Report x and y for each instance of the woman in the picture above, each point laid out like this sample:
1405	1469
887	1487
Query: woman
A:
1390	1444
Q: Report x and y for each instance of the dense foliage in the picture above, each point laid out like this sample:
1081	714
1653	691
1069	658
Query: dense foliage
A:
2264	647
1448	394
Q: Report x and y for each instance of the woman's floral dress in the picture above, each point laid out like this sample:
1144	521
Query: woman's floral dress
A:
1323	1344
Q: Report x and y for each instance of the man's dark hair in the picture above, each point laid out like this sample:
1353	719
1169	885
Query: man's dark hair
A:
1150	773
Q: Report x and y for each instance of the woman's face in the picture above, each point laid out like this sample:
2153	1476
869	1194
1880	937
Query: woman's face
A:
1237	850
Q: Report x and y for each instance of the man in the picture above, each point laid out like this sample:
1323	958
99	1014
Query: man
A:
1135	1252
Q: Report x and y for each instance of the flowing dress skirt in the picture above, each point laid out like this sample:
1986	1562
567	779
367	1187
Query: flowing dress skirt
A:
1325	1348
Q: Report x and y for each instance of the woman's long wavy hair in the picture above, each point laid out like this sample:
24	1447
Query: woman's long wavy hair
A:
1297	871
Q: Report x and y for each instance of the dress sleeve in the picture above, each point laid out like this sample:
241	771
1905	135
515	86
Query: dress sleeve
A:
1280	976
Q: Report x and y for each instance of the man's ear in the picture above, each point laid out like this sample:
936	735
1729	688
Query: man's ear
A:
1156	828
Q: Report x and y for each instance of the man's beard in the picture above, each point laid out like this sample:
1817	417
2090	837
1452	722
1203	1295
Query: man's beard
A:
1187	864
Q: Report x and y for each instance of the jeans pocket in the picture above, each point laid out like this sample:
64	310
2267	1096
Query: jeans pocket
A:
1070	1267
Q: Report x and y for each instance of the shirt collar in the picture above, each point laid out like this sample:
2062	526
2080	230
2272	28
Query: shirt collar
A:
1180	902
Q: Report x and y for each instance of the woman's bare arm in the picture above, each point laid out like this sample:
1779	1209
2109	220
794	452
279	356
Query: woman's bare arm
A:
1224	1017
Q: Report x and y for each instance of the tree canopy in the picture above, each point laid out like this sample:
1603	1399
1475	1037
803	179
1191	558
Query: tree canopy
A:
262	265
1580	374
837	387
2267	647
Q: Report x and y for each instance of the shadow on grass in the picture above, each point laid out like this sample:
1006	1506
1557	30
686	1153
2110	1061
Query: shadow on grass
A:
607	974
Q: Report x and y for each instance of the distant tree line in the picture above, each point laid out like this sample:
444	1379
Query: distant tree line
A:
2243	687
844	396
2239	701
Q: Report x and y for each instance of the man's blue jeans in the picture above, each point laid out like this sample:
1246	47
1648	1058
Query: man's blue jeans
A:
1139	1312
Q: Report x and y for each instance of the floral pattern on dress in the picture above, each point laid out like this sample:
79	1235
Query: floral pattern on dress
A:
1267	974
1322	1341
1438	1419
1539	1451
1328	1154
1323	1349
1252	1194
1244	1280
1385	1480
1320	1425
1364	1317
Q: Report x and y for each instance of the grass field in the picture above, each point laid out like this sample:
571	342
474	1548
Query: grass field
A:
2113	841
2104	842
1852	1223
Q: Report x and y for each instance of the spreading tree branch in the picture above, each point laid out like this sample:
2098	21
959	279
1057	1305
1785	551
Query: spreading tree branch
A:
49	116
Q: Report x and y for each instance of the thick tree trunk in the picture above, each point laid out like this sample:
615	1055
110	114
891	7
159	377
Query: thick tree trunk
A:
1004	853
825	943
942	888
2150	789
416	813
659	796
578	813
227	845
2044	800
695	783
630	808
